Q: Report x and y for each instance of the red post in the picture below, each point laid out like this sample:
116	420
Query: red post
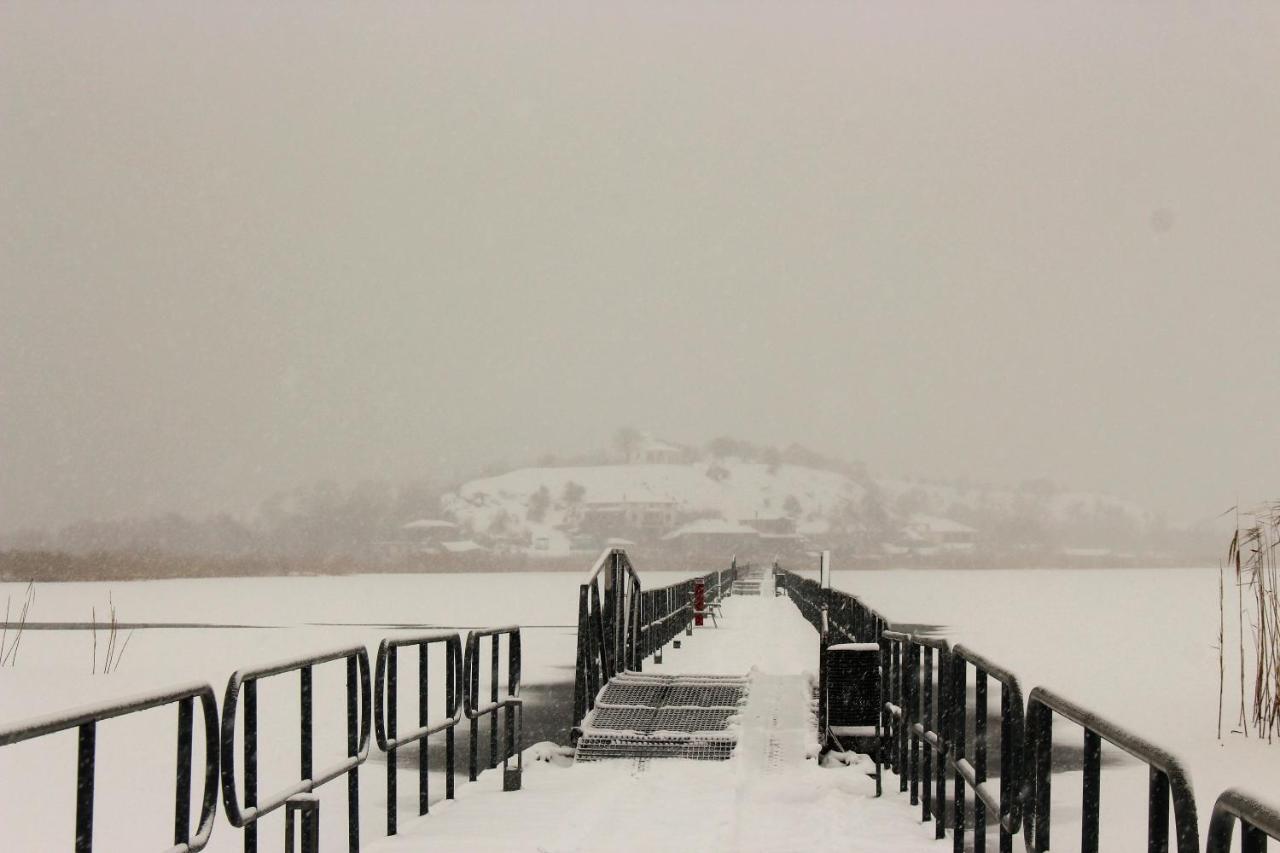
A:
699	601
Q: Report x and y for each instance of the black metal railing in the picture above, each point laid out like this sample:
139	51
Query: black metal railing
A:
510	703
1167	778
620	624
1258	822
86	721
607	601
1005	802
849	618
385	698
309	779
916	677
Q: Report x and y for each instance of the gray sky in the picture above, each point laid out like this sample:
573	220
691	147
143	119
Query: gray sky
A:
244	246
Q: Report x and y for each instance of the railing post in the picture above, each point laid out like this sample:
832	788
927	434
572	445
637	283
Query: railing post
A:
927	725
912	716
251	760
453	695
393	694
959	721
309	839
1092	792
1043	774
85	760
472	692
979	756
493	697
424	715
584	660
1007	766
1157	812
182	794
944	747
353	749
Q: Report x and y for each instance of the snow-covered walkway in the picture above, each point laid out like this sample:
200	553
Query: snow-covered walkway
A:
771	796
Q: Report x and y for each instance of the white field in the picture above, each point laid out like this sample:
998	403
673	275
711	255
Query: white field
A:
1136	644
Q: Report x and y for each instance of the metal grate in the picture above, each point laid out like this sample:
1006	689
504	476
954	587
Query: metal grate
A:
663	716
704	695
621	719
692	719
619	692
596	747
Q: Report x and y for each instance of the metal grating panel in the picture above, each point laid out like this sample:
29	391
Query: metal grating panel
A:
619	692
621	719
704	695
691	719
663	716
594	747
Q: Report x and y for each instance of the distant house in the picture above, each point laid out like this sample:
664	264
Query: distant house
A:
636	510
927	531
651	451
424	536
462	546
772	525
714	536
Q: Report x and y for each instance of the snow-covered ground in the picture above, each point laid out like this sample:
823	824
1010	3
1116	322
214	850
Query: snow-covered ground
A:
770	796
1131	643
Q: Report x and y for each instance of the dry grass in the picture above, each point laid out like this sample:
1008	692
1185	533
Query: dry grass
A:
1252	555
115	651
9	648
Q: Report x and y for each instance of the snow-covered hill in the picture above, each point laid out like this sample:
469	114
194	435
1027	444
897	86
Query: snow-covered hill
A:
549	505
729	489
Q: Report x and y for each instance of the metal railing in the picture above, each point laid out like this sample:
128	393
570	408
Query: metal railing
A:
620	624
848	616
606	601
1006	802
914	706
86	721
511	702
918	719
385	696
358	728
1258	822
1168	780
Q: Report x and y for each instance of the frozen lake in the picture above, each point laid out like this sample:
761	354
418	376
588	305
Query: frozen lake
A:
1135	644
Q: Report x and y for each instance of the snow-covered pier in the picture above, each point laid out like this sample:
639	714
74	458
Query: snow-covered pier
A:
749	708
772	794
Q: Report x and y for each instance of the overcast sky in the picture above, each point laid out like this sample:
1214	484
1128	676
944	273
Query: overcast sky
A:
245	246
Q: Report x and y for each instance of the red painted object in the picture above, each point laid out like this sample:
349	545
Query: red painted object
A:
699	601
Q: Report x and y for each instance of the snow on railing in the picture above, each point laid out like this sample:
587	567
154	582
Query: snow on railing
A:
511	702
913	708
918	719
385	696
358	728
1168	779
86	721
620	624
1258	821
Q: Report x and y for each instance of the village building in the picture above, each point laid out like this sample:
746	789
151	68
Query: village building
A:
943	534
651	451
635	512
423	536
714	535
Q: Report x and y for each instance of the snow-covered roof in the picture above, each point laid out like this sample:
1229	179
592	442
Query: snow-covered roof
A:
940	525
657	444
429	524
461	547
640	495
714	527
